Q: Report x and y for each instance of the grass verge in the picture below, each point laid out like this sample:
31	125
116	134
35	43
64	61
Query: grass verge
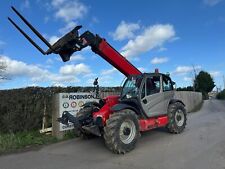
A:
23	140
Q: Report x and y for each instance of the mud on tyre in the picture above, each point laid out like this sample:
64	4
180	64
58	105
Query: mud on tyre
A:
177	118
121	131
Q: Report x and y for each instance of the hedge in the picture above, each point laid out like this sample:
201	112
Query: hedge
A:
221	95
22	109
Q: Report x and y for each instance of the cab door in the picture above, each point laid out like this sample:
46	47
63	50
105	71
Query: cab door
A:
152	98
167	90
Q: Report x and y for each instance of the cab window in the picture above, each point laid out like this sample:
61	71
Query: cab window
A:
167	84
152	85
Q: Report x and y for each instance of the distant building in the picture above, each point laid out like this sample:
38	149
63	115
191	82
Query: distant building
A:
212	94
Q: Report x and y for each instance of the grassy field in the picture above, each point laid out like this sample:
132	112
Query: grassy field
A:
18	141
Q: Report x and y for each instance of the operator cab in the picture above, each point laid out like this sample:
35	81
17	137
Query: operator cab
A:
150	92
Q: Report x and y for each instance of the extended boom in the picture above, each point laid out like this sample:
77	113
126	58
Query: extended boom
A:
72	42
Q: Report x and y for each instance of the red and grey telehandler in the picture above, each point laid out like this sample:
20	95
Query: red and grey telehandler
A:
146	102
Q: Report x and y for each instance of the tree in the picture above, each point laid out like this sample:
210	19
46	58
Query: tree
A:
204	83
221	95
2	70
188	88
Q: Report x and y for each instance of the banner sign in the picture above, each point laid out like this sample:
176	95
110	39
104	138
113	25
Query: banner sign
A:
72	102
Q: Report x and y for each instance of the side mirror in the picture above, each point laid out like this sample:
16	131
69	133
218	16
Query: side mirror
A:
174	85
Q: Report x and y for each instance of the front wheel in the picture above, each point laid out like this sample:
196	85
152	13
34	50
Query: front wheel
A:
85	117
177	118
121	131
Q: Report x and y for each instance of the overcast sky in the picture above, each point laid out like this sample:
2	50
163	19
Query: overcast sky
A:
170	35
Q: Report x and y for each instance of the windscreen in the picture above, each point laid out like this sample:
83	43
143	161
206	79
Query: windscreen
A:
131	85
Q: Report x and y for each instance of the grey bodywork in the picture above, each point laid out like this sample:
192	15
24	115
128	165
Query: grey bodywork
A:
156	104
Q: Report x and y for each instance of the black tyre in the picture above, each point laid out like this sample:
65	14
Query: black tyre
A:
85	115
121	131
177	118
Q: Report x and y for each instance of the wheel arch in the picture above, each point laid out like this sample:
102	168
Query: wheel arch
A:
172	101
122	106
92	103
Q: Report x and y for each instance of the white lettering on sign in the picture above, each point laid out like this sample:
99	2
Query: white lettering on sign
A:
72	102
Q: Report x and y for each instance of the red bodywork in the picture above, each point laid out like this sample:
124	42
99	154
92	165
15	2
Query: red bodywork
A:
108	53
154	122
105	111
144	124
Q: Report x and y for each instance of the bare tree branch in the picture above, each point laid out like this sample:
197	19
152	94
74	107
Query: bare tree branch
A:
2	71
194	74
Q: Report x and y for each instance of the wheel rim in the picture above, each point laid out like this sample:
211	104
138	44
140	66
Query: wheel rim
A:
127	131
179	118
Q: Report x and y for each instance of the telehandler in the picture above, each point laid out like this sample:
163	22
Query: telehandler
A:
146	101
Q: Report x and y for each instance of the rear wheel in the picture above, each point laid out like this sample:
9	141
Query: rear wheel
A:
177	118
121	131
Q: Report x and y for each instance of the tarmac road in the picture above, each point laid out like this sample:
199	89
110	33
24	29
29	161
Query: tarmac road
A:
200	146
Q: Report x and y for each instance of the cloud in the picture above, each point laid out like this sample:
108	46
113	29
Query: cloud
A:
159	60
2	70
77	58
94	19
142	69
181	70
152	37
57	3
73	58
75	69
69	26
211	2
109	71
25	4
105	80
69	10
215	73
125	30
58	85
35	73
54	78
162	49
19	68
188	79
53	39
49	61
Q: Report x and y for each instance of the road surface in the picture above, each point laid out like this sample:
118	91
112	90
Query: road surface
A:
200	146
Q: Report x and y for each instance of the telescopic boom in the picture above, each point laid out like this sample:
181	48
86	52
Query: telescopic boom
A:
72	42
